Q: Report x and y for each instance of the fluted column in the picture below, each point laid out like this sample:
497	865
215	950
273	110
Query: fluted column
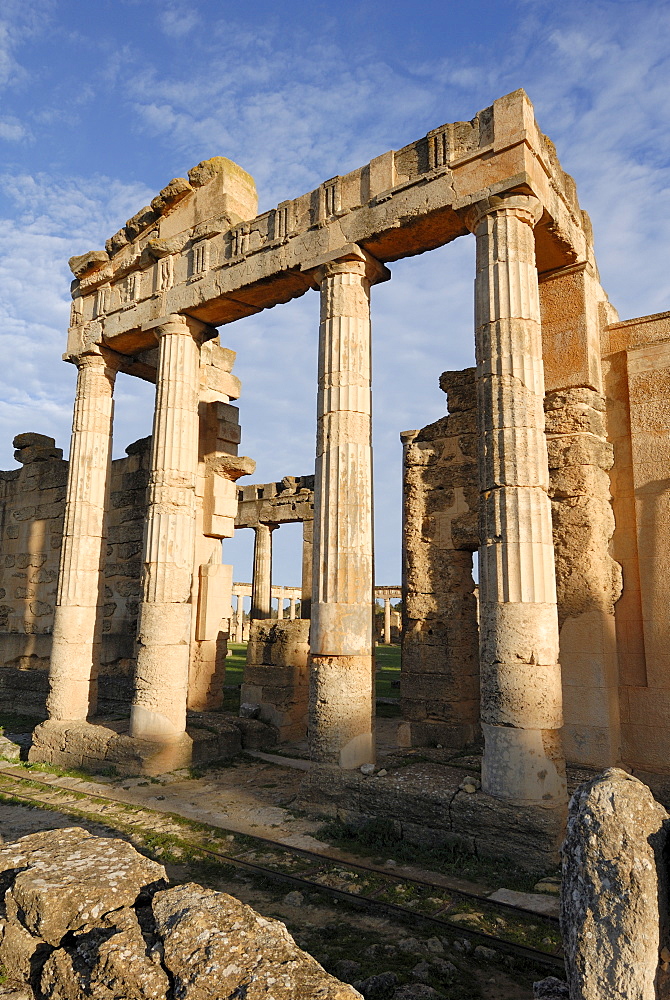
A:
261	583
387	621
520	676
239	619
164	628
291	609
341	710
280	604
75	651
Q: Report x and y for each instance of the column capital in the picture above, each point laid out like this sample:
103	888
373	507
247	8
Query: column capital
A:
526	207
179	324
348	259
99	357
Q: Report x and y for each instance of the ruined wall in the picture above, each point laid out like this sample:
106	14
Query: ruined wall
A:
276	675
637	368
32	506
574	311
439	682
32	503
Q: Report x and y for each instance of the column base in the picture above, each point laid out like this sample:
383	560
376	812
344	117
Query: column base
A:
96	746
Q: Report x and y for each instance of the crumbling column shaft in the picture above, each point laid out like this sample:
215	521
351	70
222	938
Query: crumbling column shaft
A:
387	621
520	675
341	683
164	630
291	612
261	584
75	652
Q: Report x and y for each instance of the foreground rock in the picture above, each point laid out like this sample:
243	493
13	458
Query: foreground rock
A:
88	916
614	891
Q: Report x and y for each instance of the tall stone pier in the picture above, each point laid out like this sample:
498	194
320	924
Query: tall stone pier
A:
521	703
341	708
164	629
77	634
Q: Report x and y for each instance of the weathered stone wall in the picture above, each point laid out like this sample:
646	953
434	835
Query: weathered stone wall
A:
32	505
87	916
588	579
276	675
637	376
439	682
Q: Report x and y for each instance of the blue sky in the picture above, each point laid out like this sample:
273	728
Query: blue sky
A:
102	103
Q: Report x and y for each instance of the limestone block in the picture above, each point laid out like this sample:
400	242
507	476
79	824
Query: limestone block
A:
525	766
214	595
525	633
213	943
106	957
61	879
614	890
579	449
527	695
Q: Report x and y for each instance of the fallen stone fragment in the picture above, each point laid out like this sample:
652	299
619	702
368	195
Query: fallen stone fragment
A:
215	946
62	880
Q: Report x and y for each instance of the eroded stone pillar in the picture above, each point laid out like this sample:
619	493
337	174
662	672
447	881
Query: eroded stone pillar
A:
387	621
77	633
291	611
341	711
520	676
261	584
280	605
239	618
164	628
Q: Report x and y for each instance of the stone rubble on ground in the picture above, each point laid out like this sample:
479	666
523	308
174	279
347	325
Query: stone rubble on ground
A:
88	916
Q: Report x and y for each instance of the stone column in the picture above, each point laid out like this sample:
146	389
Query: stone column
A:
387	621
261	584
291	611
164	629
280	604
307	559
239	618
77	633
520	675
341	711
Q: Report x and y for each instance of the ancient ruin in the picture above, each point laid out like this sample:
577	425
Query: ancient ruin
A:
552	465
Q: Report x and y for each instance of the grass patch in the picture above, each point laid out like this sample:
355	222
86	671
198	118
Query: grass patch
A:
387	669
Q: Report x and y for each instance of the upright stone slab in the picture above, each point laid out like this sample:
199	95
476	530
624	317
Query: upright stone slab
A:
164	632
341	653
614	897
520	675
77	635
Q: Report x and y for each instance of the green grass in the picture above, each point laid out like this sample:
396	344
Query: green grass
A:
387	665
